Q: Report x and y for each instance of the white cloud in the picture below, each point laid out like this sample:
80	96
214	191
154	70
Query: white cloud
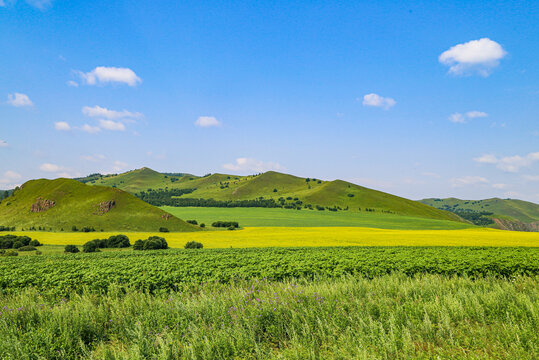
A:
111	125
476	114
252	165
511	194
93	158
509	163
19	100
462	118
40	4
62	126
499	186
9	179
90	129
3	143
103	74
378	101
72	83
119	166
476	56
98	111
468	181
207	121
47	167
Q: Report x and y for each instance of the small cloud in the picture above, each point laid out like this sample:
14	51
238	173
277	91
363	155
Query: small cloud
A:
119	166
111	125
207	121
252	165
19	100
378	101
468	181
3	143
531	177
47	167
476	56
90	129
509	163
9	178
40	4
98	111
62	126
462	118
93	158
72	83
499	186
103	75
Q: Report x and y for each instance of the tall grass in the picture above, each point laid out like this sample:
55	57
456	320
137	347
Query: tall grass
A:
388	317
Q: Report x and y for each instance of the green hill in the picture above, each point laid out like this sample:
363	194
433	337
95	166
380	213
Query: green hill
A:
511	209
292	190
64	203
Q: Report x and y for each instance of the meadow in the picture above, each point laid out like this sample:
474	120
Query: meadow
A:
309	237
265	217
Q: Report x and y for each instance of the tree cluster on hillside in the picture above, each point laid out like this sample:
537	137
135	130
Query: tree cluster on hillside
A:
479	218
151	243
162	197
16	242
7	228
226	224
115	241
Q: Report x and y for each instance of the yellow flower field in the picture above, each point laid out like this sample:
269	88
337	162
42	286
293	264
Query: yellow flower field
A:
312	236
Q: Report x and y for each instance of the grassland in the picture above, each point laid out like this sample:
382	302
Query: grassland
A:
310	236
274	185
264	217
510	209
77	204
389	317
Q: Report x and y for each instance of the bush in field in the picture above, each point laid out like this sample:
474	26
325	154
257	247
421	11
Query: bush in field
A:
138	245
202	225
193	222
226	224
163	229
151	243
27	248
91	246
18	244
35	243
118	241
71	249
193	245
10	253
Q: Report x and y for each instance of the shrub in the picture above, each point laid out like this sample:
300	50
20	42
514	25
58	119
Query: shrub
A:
225	224
91	246
118	241
17	244
163	229
202	225
350	195
155	243
194	222
231	228
27	248
35	243
138	245
71	249
11	253
74	228
193	245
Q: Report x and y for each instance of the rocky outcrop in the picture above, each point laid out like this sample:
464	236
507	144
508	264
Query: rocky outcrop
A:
516	225
165	216
104	207
42	205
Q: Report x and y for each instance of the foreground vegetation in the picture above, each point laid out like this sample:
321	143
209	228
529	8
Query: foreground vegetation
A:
164	270
388	317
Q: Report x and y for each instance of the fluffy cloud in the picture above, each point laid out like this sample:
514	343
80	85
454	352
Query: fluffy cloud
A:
52	168
98	111
509	163
463	118
103	74
9	178
378	101
252	165
499	186
62	126
476	56
207	121
90	129
3	143
72	83
119	166
111	125
468	181
19	100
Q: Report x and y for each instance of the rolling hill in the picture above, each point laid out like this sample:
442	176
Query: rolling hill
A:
64	203
273	185
507	214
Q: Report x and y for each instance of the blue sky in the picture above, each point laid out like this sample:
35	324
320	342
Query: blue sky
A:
419	99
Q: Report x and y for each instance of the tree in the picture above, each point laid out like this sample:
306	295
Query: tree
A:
71	249
90	247
193	245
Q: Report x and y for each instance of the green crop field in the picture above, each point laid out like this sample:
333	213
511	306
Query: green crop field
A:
304	303
309	218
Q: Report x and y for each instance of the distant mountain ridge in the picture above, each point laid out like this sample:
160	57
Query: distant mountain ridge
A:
64	203
272	185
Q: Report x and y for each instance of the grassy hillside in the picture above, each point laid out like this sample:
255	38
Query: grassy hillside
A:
274	185
82	205
523	211
248	217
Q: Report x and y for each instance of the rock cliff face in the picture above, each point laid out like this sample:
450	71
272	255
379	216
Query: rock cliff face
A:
104	207
517	225
42	205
